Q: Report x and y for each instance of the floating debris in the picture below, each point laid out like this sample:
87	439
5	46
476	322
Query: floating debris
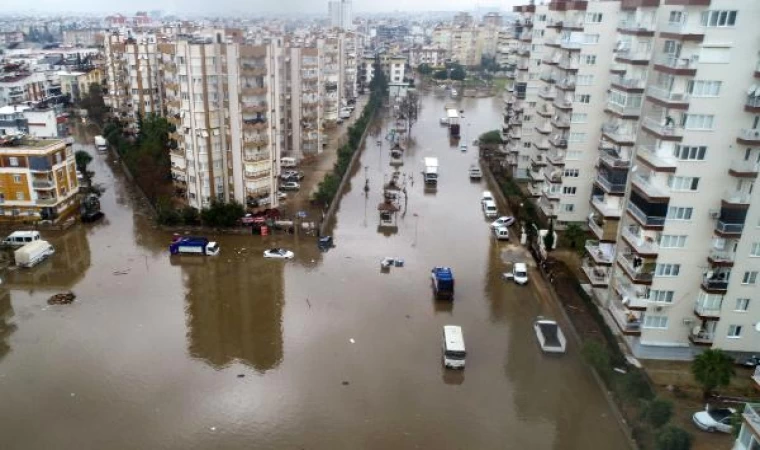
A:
63	298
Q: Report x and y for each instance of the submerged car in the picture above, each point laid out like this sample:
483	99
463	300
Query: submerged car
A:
503	221
290	186
714	419
278	253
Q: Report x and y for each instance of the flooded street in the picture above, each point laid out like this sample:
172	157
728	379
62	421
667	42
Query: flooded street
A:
322	352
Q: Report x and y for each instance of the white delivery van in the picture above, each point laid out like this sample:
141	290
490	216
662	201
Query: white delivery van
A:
489	208
288	162
20	238
453	347
33	253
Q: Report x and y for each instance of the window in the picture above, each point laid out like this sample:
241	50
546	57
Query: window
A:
651	321
571	173
718	18
690	153
578	118
532	104
568	207
667	270
584	80
527	144
17	179
576	137
582	98
588	60
661	296
675	17
698	121
13	161
593	17
683	183
734	331
569	190
19	195
672	241
591	38
750	277
679	213
742	304
755	249
704	88
573	155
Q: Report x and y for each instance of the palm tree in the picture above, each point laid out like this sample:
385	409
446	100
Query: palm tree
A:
711	369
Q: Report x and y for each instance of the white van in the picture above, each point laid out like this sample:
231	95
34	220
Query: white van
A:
501	233
453	347
489	208
20	238
486	196
288	162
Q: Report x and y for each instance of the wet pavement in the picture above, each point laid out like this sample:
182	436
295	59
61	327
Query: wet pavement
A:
322	352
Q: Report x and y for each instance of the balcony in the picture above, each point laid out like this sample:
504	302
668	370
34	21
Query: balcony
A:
607	209
702	337
566	84
534	191
728	229
610	186
47	200
570	45
563	104
537	161
751	412
633	27
618	134
625	111
551	194
627	56
253	90
732	197
721	258
548	78
568	64
741	168
629	84
667	98
749	136
649	187
636	274
43	185
664	129
595	251
558	141
643	245
536	175
628	321
556	158
547	94
544	128
644	219
634	297
560	122
613	160
547	207
255	157
545	110
599	276
676	65
682	31
541	144
706	312
604	230
660	161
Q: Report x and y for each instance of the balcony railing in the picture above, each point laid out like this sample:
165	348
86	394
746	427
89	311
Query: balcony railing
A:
736	197
662	127
645	184
706	311
702	337
568	64
613	160
632	25
547	94
721	256
598	275
753	101
750	134
628	321
592	247
618	133
666	95
681	28
607	209
729	228
640	244
630	83
742	166
661	161
610	186
635	296
752	410
558	141
570	44
624	110
652	221
636	274
43	184
677	62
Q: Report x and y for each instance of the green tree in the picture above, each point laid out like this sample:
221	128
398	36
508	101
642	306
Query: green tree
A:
190	216
457	72
83	159
441	75
549	237
93	102
409	109
634	385
596	355
574	237
658	411
222	214
711	369
490	139
424	69
379	83
673	438
327	189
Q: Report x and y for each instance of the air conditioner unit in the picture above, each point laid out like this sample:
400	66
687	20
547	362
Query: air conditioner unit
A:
714	213
688	321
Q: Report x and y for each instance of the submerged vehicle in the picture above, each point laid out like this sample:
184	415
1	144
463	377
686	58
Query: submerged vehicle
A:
443	283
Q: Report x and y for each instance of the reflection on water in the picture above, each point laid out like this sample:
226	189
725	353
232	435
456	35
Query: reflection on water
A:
6	327
59	272
234	310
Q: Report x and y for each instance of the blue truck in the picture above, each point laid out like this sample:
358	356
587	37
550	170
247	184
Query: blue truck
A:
443	283
193	245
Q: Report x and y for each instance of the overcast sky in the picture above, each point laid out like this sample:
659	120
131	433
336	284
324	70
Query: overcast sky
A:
247	6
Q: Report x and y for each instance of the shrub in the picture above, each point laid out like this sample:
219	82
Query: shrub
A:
673	438
634	385
596	355
222	214
657	411
711	369
190	216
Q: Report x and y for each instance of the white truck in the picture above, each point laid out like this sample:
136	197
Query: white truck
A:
33	253
430	174
100	143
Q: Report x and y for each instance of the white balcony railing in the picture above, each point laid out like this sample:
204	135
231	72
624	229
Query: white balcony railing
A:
667	95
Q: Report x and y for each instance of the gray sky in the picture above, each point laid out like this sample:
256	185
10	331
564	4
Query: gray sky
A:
247	6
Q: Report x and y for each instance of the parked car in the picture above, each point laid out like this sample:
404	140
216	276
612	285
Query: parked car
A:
520	273
282	195
92	216
501	233
749	361
463	147
290	186
486	196
278	253
714	419
291	175
489	208
503	221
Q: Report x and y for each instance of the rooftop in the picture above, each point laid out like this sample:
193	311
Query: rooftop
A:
28	143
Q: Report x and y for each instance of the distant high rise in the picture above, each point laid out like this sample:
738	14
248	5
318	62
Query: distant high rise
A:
340	14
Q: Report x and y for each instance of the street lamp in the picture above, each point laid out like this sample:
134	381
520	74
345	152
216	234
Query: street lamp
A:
416	222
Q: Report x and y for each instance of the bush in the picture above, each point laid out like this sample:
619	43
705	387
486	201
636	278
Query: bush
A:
596	355
222	214
657	412
634	385
168	216
190	216
673	438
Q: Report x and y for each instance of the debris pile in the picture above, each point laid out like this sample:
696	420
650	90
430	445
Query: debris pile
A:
63	298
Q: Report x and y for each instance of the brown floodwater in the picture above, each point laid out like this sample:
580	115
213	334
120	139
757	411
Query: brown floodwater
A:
322	352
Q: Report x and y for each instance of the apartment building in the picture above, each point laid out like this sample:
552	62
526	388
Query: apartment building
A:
38	122
77	83
303	106
332	54
24	86
133	79
749	433
223	97
426	54
659	129
339	12
38	180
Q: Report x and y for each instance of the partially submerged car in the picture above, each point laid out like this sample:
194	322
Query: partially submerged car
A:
278	253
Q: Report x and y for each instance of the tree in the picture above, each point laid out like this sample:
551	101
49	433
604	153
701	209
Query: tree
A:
93	102
673	438
82	160
409	109
441	75
596	355
711	369
658	411
457	72
574	237
491	139
379	83
549	237
424	69
222	214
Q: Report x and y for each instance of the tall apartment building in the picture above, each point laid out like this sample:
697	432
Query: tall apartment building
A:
223	97
340	14
303	105
676	119
38	180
